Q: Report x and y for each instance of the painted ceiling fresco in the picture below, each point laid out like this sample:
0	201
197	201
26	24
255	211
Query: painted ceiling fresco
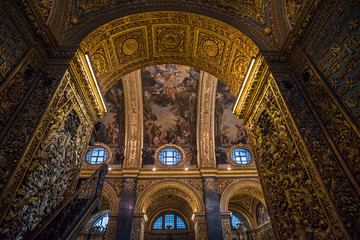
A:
170	99
111	129
262	214
229	130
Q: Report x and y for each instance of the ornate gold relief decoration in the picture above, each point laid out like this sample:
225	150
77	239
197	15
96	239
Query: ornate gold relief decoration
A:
133	119
166	187
176	37
210	47
205	120
254	10
54	168
293	10
299	187
209	184
117	186
100	61
170	38
129	185
86	85
130	45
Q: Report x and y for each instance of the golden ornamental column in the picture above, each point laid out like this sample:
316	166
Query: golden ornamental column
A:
206	120
133	119
226	225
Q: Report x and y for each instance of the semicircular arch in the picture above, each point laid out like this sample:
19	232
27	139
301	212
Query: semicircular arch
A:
136	41
112	197
167	186
251	187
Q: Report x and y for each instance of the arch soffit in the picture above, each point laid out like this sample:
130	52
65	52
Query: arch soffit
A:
133	42
168	186
262	33
111	195
251	187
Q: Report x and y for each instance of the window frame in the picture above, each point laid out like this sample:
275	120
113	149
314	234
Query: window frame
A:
98	145
241	146
162	215
181	151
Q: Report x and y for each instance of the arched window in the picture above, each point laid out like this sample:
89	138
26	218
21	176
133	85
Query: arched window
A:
97	155
241	155
100	224
168	221
238	219
235	221
170	156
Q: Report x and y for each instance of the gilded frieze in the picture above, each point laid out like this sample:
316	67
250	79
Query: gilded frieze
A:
148	39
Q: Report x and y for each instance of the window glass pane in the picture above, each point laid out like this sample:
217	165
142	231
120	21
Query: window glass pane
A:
170	156
180	223
158	223
97	155
169	220
101	224
234	221
241	155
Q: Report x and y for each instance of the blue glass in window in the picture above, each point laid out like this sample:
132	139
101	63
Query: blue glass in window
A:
234	221
97	155
158	223
101	223
169	220
170	156
241	155
180	223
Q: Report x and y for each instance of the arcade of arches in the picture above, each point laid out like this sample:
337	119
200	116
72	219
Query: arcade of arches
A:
216	119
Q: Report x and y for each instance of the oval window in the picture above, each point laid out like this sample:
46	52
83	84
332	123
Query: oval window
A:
169	156
97	155
241	155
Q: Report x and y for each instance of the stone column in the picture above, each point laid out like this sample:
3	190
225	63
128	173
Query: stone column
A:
200	226
126	209
139	226
212	209
226	225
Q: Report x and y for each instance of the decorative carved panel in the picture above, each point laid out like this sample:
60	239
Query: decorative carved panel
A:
134	119
53	170
205	120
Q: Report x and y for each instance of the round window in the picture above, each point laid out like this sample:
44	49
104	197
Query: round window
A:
169	156
241	155
97	155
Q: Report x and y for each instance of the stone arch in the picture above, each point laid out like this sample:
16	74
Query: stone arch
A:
251	187
111	195
262	34
130	43
167	186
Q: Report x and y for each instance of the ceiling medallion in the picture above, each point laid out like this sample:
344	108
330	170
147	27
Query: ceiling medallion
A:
210	48
130	46
170	39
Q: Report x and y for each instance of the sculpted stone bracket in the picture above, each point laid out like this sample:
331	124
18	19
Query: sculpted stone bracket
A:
133	119
206	120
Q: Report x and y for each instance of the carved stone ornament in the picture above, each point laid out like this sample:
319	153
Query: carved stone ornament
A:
210	184
129	185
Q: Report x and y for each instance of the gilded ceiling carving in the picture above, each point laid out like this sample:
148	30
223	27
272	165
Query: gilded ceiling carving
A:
146	39
166	187
248	9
